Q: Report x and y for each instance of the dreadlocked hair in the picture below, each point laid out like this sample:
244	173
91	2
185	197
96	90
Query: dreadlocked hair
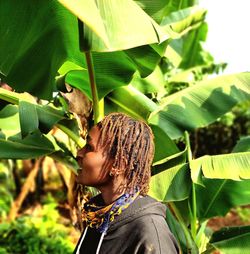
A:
130	144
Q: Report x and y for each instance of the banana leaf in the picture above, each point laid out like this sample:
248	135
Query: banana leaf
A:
114	25
234	166
218	196
32	146
243	145
200	104
165	186
54	41
9	121
231	240
33	46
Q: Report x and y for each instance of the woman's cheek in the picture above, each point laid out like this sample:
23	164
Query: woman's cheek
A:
93	161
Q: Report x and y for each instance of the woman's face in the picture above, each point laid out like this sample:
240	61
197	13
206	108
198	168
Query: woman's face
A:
91	161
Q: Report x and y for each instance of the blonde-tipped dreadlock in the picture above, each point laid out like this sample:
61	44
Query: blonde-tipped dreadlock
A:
130	144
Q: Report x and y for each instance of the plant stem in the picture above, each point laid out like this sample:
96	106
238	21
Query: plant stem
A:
6	96
183	226
201	230
97	108
194	210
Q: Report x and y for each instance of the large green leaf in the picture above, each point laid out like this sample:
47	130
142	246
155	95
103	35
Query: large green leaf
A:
33	46
218	196
200	104
32	146
164	148
108	29
192	52
34	117
234	240
54	41
165	186
219	192
234	166
115	69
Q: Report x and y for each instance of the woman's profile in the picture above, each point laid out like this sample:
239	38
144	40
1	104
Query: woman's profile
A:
122	219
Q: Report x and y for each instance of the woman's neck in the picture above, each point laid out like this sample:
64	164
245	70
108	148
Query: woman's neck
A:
111	193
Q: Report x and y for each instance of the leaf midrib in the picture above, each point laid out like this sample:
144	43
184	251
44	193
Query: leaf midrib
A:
215	196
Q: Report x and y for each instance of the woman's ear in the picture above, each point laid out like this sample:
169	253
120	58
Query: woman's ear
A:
114	172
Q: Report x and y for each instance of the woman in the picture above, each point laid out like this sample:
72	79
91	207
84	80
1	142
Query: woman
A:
122	219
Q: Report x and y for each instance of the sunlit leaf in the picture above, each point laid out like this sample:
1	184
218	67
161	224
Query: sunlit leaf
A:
200	104
108	29
235	166
9	121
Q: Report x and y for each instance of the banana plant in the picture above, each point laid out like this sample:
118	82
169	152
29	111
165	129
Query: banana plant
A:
83	45
25	129
210	186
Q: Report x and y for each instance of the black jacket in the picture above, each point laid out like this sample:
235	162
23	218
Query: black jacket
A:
140	229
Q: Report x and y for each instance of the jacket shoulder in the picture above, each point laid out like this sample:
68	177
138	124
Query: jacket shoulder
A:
153	235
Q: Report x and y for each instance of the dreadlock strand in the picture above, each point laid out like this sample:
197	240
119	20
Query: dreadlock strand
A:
130	144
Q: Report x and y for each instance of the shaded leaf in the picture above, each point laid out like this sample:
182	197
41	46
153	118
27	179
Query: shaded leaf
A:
28	118
218	196
154	83
33	46
174	158
234	240
32	146
243	145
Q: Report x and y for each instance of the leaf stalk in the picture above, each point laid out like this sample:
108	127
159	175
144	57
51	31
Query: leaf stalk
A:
98	107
